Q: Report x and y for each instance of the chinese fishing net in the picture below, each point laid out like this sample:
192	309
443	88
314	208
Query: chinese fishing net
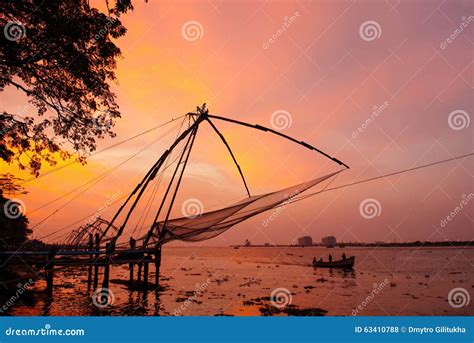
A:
211	224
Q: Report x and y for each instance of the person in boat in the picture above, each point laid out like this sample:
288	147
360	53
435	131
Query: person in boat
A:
320	260
343	256
330	258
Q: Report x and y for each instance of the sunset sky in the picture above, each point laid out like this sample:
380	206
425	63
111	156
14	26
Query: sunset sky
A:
327	75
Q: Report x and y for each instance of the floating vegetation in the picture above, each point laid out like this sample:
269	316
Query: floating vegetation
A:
291	310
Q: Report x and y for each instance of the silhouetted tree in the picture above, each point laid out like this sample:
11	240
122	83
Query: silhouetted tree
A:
61	55
9	184
13	224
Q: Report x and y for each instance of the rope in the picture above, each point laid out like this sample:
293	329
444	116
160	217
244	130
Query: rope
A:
100	151
90	214
382	176
94	181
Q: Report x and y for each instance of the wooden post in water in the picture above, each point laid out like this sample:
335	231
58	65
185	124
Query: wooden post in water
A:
139	273
131	265
50	271
145	270
105	283
157	265
91	259
96	260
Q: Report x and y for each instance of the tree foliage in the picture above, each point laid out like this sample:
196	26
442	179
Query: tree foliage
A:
61	54
9	184
13	224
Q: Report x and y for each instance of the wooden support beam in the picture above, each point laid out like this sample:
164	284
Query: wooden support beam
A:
96	266
133	244
139	273
157	265
145	272
50	272
91	258
105	282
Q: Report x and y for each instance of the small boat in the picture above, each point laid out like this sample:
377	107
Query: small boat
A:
347	263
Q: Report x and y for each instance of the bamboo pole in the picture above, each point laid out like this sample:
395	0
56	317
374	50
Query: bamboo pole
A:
96	266
50	272
157	265
145	271
131	265
91	259
105	282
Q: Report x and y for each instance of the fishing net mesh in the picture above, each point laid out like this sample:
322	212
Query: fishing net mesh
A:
211	224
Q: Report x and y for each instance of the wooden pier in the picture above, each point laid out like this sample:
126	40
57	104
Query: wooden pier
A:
91	256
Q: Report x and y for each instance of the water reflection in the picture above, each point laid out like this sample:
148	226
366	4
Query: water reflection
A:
236	281
345	273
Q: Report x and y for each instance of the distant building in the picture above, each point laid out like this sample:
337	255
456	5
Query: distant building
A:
329	241
305	241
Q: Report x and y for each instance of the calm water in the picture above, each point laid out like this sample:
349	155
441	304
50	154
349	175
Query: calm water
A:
227	281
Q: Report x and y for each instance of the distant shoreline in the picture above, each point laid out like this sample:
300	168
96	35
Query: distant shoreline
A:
365	245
